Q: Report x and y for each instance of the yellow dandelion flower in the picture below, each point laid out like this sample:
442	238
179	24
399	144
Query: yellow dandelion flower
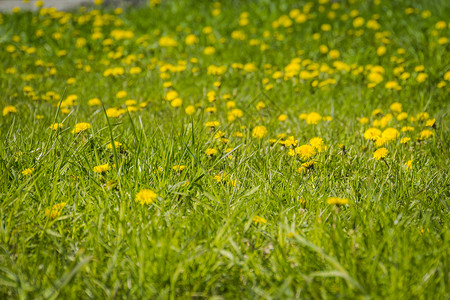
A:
55	210
117	145
372	134
212	124
211	151
337	201
56	126
380	153
259	132
27	171
405	140
317	143
425	134
80	127
409	165
313	118
9	109
146	197
190	110
259	220
179	168
305	152
101	168
390	134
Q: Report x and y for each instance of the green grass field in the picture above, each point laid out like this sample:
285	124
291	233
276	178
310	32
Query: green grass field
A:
234	149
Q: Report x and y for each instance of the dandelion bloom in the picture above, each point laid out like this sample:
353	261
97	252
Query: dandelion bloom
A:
425	134
259	220
56	126
313	118
55	210
146	196
212	124
179	168
390	134
405	140
116	145
177	102
317	143
101	168
380	153
305	151
430	122
211	151
9	109
396	107
94	102
259	132
372	134
408	165
80	127
337	201
407	128
27	171
282	117
190	110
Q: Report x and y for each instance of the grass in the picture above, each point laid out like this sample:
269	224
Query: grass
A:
200	237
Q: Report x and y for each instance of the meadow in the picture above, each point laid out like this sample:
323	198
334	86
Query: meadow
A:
226	150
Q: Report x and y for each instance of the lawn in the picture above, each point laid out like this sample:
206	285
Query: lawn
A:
233	149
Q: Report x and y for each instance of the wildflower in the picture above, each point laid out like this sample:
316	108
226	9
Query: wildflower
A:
179	168
101	168
377	112
190	110
407	128
422	116
211	151
408	165
380	142
289	142
402	116
364	120
56	126
421	77
114	112
259	132
117	145
337	201
27	171
305	152
191	39
405	140
282	117
260	105
390	134
177	102
317	143
313	118
212	124
55	210
121	94
380	153
80	127
146	196
259	220
372	134
9	109
309	165
220	177
430	123
396	107
425	134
